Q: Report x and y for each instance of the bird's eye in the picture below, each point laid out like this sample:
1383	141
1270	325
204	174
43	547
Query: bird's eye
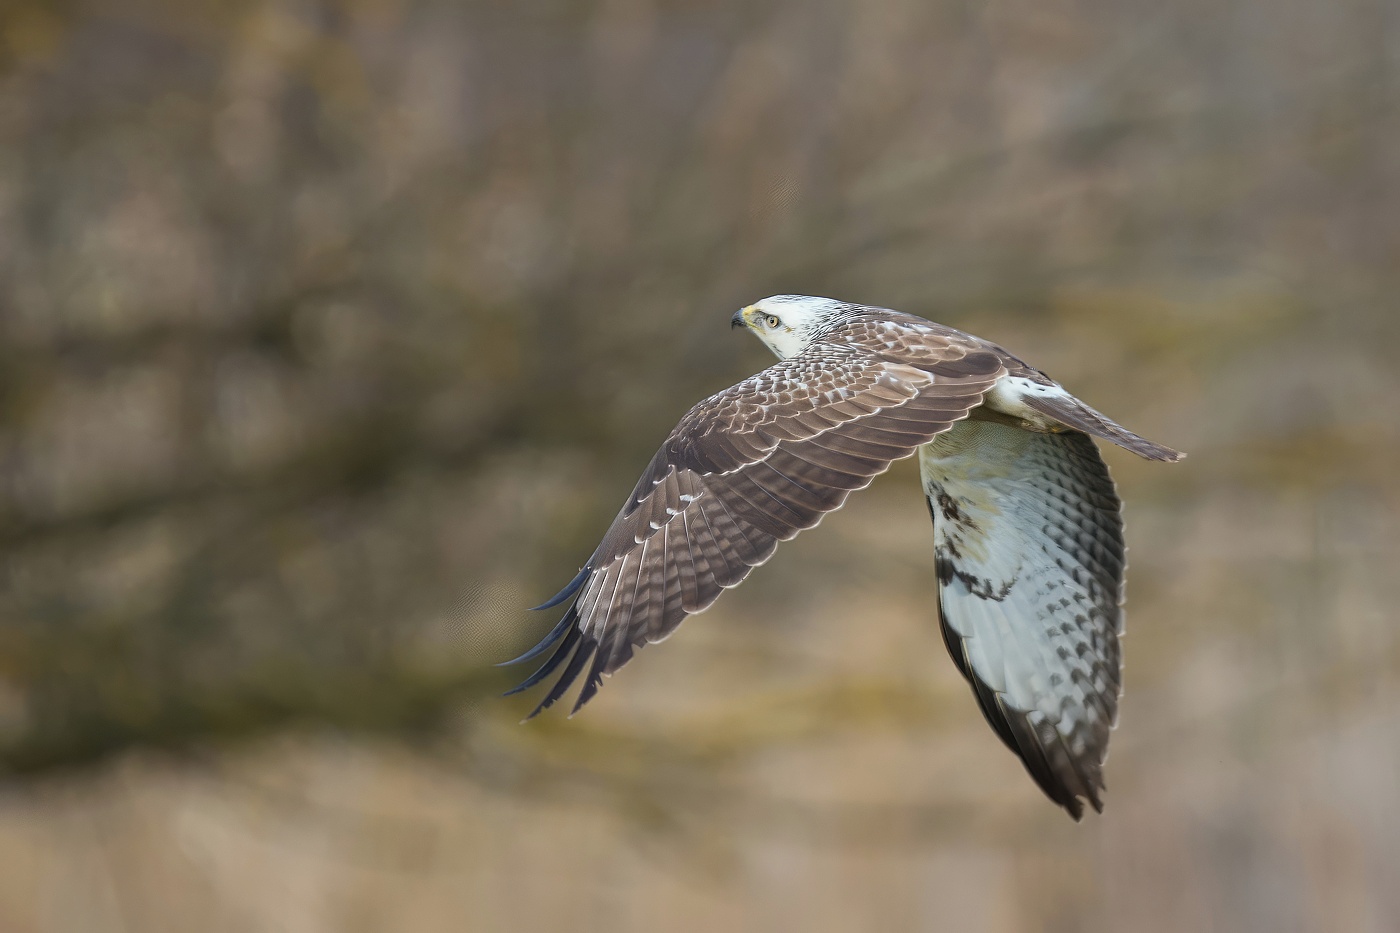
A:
772	321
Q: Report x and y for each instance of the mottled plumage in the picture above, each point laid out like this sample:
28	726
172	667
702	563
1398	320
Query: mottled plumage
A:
1028	539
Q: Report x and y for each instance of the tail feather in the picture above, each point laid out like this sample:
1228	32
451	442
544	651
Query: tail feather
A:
1070	411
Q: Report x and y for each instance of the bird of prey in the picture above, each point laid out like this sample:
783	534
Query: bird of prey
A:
1028	535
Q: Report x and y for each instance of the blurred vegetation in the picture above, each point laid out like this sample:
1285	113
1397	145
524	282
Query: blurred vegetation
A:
332	332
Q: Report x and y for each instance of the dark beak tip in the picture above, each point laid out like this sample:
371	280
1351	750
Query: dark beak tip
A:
737	320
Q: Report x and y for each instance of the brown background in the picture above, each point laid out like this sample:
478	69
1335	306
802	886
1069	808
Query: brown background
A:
333	333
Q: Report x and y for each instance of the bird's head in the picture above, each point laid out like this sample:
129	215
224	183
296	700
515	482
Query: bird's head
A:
788	323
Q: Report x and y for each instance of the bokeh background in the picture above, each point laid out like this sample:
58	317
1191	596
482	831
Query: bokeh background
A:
333	333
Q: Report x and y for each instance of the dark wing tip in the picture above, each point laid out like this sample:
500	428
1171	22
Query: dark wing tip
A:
558	631
608	655
592	682
1064	779
566	592
571	638
1061	778
566	679
554	635
570	644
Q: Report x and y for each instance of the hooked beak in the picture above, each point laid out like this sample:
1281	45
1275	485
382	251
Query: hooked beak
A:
738	319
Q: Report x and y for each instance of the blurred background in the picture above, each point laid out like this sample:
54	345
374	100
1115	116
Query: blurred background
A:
333	333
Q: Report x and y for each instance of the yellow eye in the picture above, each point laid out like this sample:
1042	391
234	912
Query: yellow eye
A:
771	321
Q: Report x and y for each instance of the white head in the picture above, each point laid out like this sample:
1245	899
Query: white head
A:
788	323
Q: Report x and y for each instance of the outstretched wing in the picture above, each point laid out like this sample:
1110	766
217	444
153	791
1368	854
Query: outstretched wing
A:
745	469
1028	546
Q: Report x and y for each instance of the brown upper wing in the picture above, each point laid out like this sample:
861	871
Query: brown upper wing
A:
752	466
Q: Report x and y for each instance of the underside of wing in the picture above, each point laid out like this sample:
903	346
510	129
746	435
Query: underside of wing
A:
744	470
1028	541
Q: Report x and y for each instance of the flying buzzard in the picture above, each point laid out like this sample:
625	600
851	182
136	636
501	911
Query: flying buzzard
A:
1028	536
